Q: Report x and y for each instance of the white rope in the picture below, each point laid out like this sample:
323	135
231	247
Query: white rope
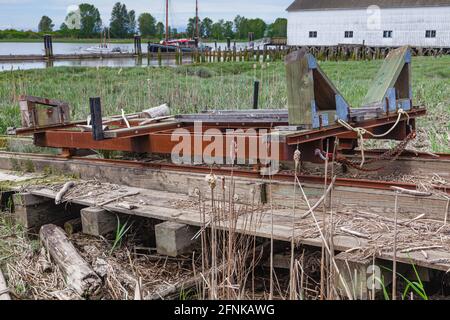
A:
361	131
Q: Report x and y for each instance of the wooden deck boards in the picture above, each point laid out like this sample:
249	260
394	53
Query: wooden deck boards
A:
181	208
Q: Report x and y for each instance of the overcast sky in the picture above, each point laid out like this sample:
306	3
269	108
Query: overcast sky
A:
25	14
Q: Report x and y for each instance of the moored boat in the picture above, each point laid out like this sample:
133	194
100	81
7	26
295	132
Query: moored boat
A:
174	45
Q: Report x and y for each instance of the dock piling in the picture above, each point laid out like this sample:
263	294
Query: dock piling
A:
48	46
138	45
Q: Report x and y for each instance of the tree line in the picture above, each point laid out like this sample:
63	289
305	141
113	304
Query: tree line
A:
86	22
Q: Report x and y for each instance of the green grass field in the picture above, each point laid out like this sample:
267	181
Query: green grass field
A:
218	86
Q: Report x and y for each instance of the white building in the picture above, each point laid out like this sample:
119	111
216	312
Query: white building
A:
385	23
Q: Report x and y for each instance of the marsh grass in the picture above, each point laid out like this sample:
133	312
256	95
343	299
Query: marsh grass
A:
189	89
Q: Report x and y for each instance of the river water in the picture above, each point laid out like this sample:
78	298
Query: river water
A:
37	48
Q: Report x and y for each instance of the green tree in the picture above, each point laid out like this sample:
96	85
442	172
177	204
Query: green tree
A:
147	24
119	24
63	27
278	28
160	30
258	27
217	30
46	24
191	27
132	22
206	28
90	20
240	26
228	29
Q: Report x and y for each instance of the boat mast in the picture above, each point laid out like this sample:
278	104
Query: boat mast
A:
197	31
167	20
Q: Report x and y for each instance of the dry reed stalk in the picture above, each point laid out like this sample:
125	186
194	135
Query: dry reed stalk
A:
292	292
323	260
349	295
271	242
394	268
332	225
213	284
446	212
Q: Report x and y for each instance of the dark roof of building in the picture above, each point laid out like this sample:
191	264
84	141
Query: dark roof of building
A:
299	5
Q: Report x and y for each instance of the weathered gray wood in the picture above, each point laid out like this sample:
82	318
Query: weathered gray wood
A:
97	221
135	130
77	272
160	208
243	116
41	112
386	77
60	195
156	112
381	202
300	88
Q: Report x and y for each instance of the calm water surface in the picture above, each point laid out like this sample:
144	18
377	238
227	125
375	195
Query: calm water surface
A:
37	48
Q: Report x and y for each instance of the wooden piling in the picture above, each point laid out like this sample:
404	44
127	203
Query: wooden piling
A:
137	46
159	57
48	46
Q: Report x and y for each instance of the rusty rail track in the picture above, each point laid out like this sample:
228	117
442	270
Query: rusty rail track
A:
240	172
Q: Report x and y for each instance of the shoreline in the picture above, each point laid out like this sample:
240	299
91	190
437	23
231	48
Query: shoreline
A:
88	40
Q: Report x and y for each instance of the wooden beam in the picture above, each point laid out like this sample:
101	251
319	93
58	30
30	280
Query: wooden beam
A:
141	130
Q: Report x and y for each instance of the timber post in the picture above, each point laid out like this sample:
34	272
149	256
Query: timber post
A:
138	46
96	119
255	95
48	46
159	57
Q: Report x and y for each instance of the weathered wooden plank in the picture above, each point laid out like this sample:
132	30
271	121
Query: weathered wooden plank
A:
300	88
387	76
140	129
262	226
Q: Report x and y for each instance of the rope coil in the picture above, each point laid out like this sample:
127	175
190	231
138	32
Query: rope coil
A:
362	131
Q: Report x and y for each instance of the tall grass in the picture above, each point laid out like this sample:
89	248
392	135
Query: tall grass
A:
216	86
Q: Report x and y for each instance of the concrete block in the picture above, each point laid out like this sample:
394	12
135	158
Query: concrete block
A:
174	239
32	212
360	276
97	221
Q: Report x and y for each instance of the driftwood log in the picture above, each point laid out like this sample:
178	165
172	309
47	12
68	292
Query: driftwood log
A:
60	195
78	273
4	290
161	111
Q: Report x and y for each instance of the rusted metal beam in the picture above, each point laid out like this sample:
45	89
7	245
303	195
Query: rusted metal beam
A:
339	131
